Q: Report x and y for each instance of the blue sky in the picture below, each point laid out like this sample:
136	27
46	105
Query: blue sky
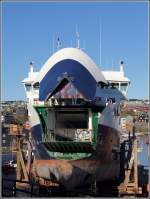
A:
28	30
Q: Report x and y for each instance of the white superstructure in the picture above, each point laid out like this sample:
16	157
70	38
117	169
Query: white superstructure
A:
118	79
32	93
115	78
31	83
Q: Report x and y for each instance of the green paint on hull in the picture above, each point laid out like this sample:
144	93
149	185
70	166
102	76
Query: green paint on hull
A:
69	156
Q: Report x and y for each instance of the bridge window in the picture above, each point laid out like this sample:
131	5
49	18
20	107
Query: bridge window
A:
36	86
123	86
102	85
114	85
28	87
111	99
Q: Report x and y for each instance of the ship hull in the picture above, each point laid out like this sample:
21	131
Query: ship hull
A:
102	165
74	100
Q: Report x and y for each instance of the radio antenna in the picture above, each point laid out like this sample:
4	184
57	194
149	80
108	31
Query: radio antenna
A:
78	37
58	43
100	41
53	43
112	64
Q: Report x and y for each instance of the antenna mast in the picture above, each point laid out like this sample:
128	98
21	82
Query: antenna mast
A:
78	38
112	64
100	35
53	43
31	66
58	43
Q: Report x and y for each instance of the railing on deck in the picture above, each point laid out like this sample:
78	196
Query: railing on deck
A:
80	135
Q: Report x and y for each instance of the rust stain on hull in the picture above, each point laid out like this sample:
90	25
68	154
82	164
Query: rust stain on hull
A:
72	173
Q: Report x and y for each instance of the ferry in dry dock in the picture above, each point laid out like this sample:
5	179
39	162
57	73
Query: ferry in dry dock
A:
73	109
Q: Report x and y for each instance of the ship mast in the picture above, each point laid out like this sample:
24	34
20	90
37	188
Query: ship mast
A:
31	67
78	38
58	43
122	66
100	41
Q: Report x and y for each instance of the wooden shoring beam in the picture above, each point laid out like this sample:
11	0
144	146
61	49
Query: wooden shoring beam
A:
135	165
21	173
29	157
128	187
